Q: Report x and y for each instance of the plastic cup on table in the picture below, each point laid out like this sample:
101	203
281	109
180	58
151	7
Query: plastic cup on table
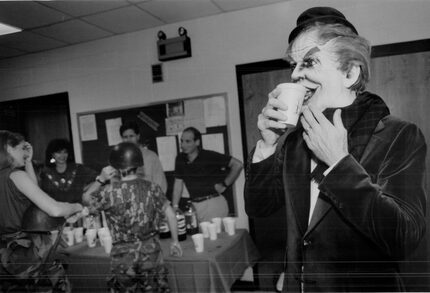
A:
78	233
102	233
212	231
107	243
91	235
204	229
217	221
229	225
53	236
198	240
68	236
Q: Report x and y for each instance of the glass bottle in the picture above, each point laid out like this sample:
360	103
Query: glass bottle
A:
163	228
191	219
180	218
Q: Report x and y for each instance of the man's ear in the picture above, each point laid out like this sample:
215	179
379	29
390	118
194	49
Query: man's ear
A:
352	75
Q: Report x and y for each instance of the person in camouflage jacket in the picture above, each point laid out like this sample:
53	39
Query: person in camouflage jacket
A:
133	208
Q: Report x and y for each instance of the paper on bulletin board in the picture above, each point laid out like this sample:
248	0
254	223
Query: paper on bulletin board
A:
87	125
197	123
112	131
213	142
194	114
174	125
214	111
167	151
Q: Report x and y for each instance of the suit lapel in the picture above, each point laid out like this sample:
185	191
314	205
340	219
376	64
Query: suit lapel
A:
323	205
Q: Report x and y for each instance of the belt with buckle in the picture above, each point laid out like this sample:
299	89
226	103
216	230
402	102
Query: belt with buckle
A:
203	198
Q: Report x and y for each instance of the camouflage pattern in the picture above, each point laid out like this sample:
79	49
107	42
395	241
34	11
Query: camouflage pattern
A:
138	267
22	268
133	209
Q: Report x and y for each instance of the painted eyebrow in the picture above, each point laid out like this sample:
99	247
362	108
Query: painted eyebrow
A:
311	51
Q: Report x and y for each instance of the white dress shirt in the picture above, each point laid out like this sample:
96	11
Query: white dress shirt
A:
262	152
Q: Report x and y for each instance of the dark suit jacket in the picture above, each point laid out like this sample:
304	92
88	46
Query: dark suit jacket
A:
369	214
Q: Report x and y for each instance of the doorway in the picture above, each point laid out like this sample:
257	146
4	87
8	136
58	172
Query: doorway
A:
39	119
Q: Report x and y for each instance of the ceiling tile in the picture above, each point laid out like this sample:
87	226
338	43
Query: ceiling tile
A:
8	52
29	42
230	5
81	8
28	14
172	11
124	20
73	31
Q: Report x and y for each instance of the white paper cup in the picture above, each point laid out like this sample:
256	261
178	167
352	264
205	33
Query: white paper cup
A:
53	236
68	236
91	235
198	240
217	222
102	233
107	243
292	95
204	229
229	225
212	231
79	234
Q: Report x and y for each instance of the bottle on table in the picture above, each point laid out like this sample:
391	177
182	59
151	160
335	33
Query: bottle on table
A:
180	218
191	222
163	228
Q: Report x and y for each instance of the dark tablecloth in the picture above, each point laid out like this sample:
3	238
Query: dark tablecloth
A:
223	262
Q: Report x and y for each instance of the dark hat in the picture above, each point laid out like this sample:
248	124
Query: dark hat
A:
126	155
35	220
326	15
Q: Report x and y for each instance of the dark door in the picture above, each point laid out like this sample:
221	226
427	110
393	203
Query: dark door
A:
255	81
39	119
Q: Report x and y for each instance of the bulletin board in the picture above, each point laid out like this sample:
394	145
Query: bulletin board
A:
161	126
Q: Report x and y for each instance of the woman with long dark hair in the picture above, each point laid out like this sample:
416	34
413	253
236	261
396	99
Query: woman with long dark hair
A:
62	178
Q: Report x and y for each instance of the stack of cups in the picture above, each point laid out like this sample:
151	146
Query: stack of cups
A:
229	225
105	238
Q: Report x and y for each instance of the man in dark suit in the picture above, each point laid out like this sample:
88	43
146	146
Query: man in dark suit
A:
350	175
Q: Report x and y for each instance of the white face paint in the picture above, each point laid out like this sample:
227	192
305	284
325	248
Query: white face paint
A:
316	68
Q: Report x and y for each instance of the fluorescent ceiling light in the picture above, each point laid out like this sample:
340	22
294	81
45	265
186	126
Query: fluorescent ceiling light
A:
7	29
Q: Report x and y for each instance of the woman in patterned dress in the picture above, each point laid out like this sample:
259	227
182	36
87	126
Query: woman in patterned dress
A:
63	179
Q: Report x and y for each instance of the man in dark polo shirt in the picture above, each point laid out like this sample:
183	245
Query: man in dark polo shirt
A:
203	173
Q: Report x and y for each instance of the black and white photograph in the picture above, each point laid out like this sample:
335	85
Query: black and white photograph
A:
214	146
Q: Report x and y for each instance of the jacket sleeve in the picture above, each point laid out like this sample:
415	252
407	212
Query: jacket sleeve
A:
264	193
390	209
